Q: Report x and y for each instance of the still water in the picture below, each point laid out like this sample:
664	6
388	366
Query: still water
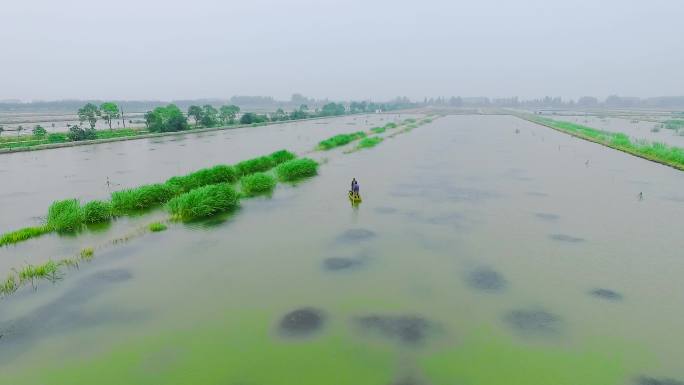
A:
478	256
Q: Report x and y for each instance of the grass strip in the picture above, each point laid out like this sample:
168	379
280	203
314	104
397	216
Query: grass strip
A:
204	177
369	142
143	197
97	212
340	140
23	234
657	152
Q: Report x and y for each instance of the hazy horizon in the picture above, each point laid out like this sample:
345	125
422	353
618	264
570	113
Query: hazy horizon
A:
340	50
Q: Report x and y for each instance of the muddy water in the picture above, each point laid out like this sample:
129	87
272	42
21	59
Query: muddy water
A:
478	256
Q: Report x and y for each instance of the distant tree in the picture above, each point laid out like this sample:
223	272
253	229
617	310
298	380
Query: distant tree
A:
109	111
228	113
279	115
89	113
332	109
195	112
38	130
166	119
301	113
77	133
19	129
250	118
209	117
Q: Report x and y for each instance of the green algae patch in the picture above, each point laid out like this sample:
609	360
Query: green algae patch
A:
204	202
234	351
485	359
256	184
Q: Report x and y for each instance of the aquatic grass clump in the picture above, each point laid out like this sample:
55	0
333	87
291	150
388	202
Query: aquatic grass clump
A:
257	183
378	130
48	269
143	197
65	215
281	156
340	140
204	202
369	142
23	234
97	212
260	164
9	286
156	227
409	120
206	176
390	125
297	169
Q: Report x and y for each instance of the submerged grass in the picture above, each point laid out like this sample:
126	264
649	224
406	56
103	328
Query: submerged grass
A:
297	169
390	125
157	226
23	234
657	152
340	140
65	215
369	142
378	130
204	202
87	253
97	212
47	270
258	183
143	197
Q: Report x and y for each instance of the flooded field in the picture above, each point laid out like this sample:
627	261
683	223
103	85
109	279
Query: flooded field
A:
56	122
646	127
487	250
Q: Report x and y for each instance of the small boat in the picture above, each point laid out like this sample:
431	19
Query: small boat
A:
354	197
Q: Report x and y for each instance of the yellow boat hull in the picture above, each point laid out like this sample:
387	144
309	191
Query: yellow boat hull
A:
355	198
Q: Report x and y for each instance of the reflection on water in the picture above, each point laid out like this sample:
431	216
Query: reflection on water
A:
454	270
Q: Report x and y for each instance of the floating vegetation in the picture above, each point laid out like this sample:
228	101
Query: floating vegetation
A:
606	294
297	169
301	322
369	142
143	197
204	202
65	215
257	183
157	226
97	212
206	176
340	140
23	234
533	321
486	279
408	329
657	152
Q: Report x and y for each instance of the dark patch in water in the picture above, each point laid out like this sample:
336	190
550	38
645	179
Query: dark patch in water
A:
301	322
355	235
645	380
66	313
340	263
566	238
533	321
487	280
547	216
408	329
385	210
606	294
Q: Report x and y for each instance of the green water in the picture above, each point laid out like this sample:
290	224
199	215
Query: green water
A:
202	303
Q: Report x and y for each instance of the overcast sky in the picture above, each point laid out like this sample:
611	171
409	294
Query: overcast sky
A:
352	49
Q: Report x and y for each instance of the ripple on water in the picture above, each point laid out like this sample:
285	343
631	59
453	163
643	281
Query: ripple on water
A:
301	322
